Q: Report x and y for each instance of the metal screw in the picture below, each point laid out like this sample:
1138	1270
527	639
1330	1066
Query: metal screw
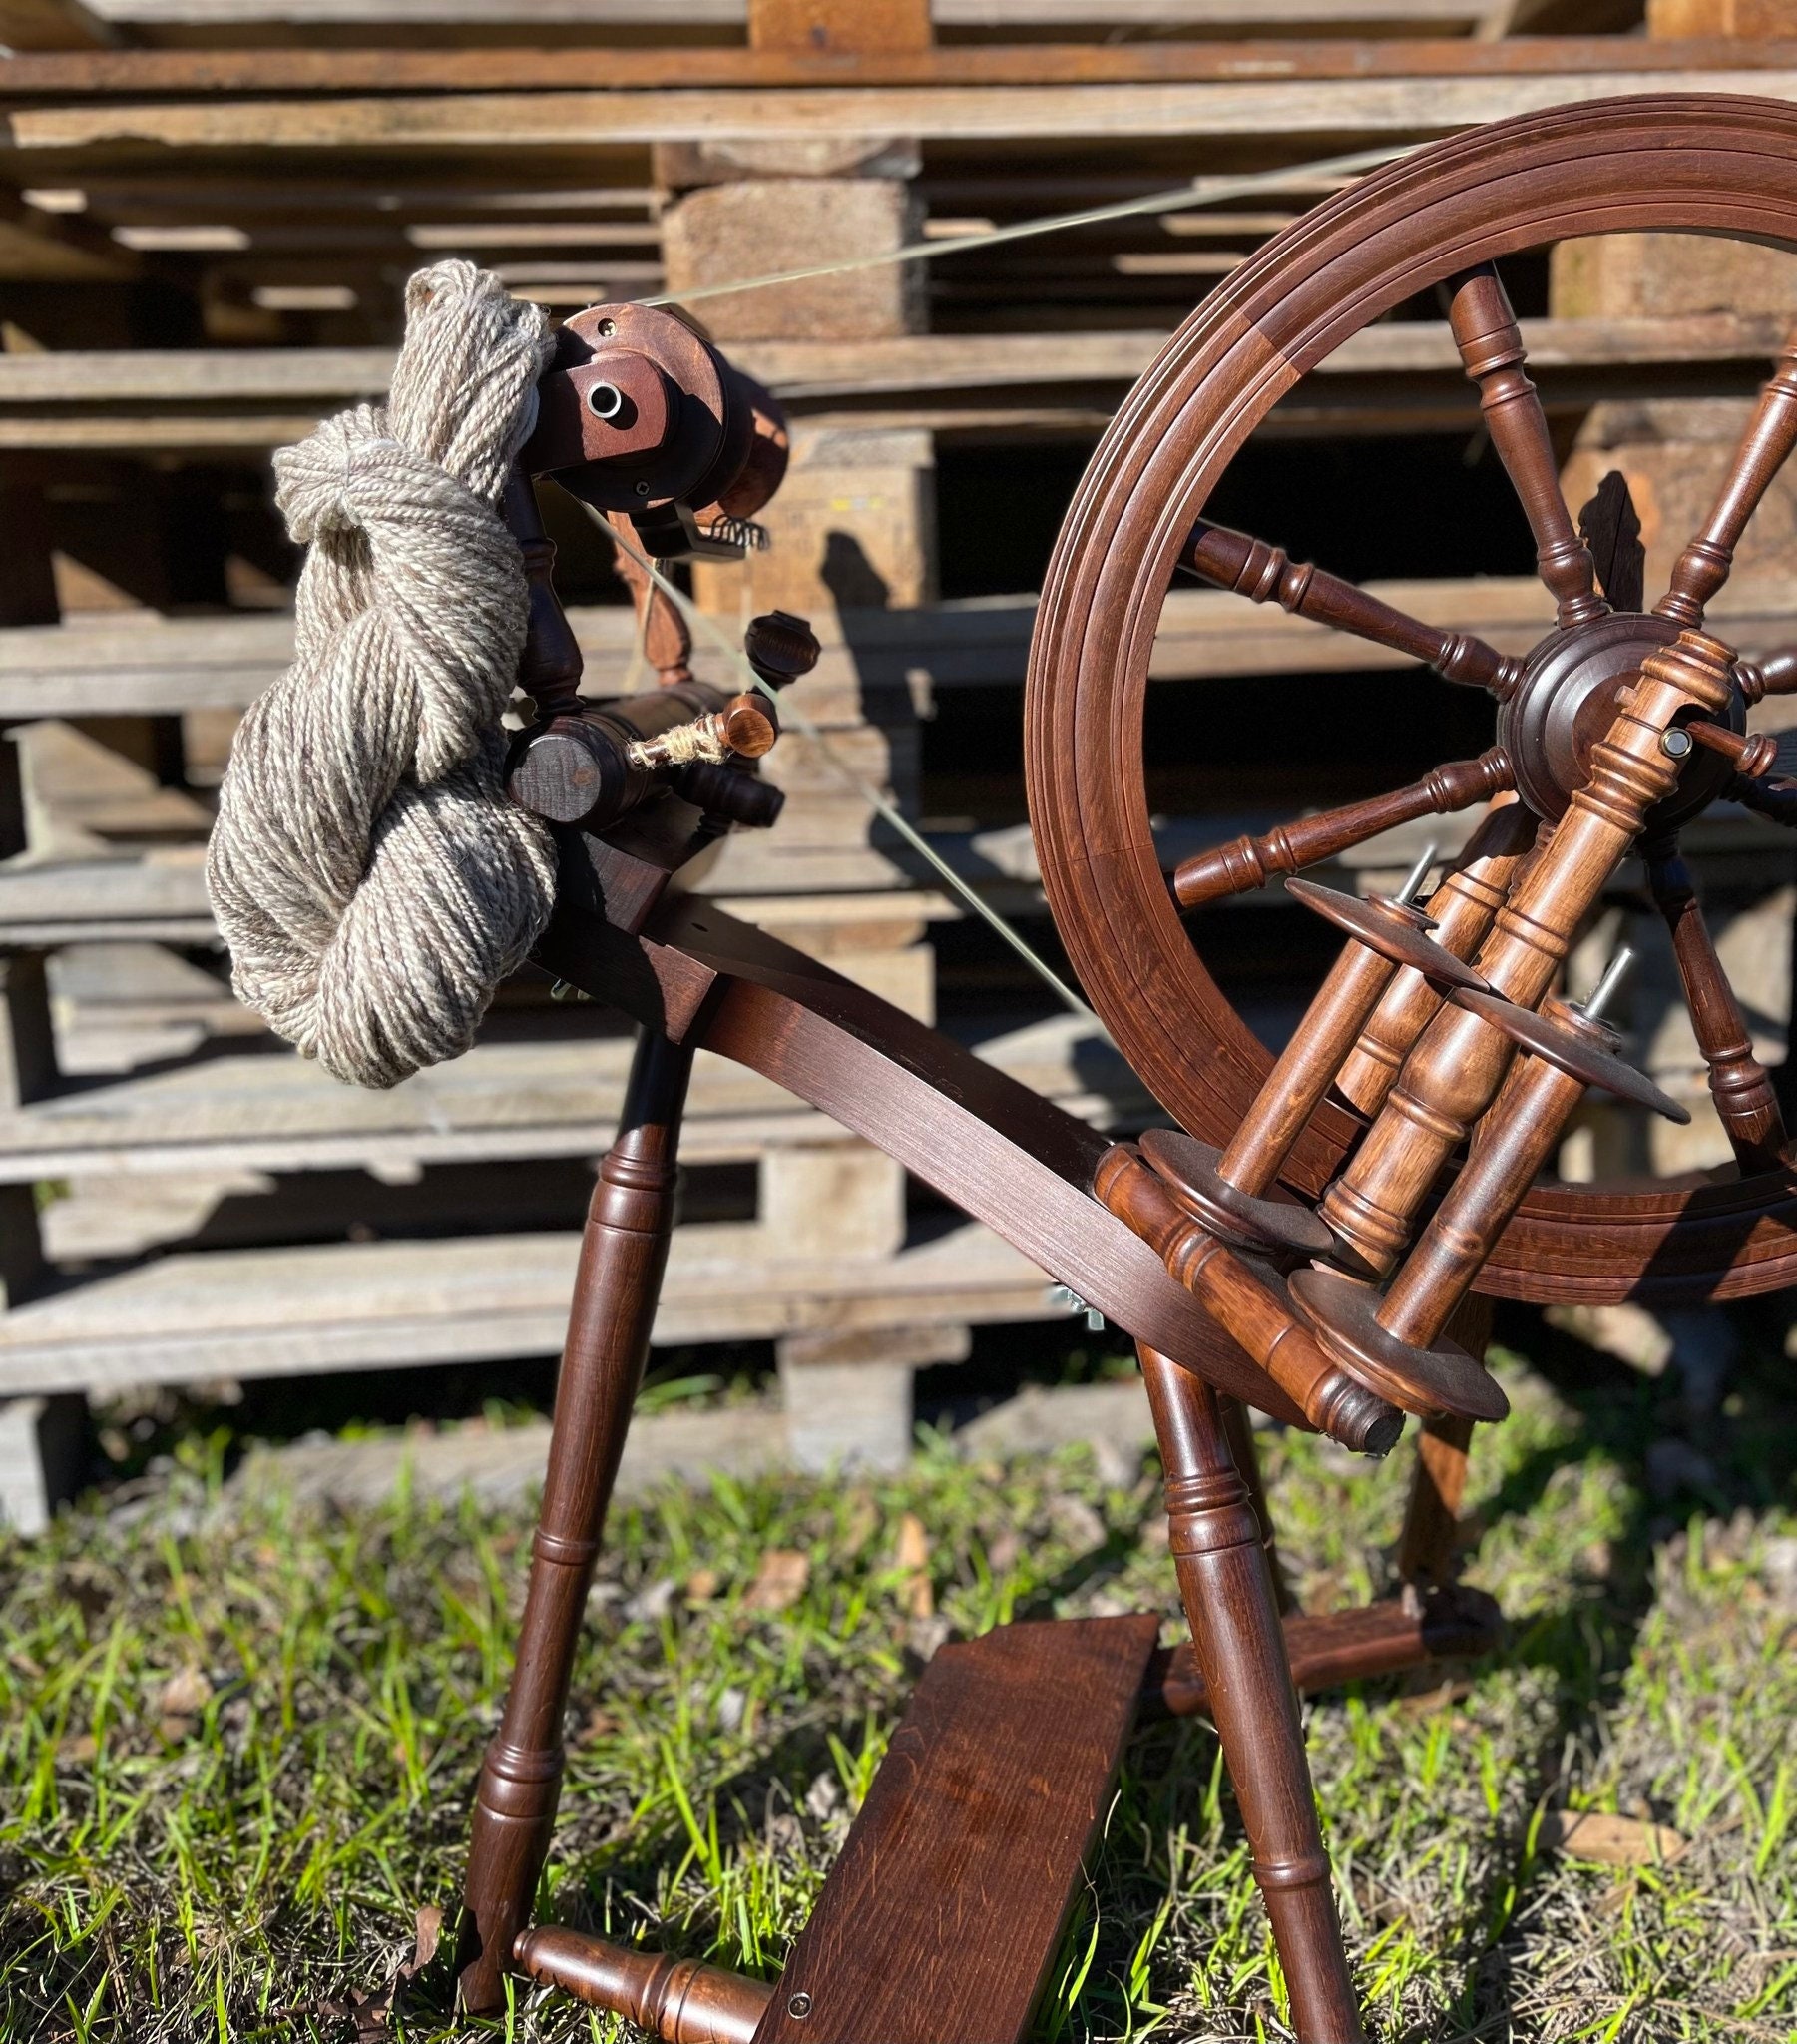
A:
1677	743
605	401
799	2007
606	328
643	489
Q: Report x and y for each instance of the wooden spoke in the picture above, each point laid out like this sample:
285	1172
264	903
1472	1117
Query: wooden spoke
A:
1264	573
1773	675
1738	1082
1776	800
1702	568
1248	862
1491	346
1751	755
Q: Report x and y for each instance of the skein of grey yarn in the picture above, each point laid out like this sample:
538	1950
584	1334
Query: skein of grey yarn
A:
372	878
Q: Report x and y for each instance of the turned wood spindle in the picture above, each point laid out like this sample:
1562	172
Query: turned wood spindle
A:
1515	1139
680	2001
1304	1070
1748	753
1427	1543
1700	570
1739	1084
1255	1316
1262	573
1239	1427
623	1252
1248	862
1490	348
549	666
660	626
1462	908
1229	1603
1453	1074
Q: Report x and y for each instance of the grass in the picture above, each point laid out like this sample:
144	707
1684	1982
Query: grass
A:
238	1741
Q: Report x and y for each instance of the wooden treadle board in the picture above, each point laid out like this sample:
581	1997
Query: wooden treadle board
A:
941	1918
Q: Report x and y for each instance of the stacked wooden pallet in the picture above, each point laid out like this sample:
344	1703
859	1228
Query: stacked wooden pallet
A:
208	210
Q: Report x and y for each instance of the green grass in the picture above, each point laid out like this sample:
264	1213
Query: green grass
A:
241	1857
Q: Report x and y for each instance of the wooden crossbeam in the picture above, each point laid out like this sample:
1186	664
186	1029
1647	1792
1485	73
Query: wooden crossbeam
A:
316	67
1047	115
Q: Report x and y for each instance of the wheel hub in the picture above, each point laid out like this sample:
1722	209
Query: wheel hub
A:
1567	699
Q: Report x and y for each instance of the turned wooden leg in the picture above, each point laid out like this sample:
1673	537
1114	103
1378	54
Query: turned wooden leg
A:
1238	1430
1227	1591
1432	1517
623	1254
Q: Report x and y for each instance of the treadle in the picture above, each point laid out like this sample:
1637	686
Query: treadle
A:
940	1919
1345	1646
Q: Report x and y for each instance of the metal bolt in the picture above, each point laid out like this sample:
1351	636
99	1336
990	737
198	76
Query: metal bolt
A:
606	328
1677	743
605	401
643	489
1064	1294
799	2007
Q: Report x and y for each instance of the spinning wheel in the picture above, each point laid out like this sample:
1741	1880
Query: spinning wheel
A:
1674	162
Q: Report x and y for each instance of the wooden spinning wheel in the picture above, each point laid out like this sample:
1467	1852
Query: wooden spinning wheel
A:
1712	165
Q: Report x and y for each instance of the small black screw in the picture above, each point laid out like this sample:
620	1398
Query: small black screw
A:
643	489
799	2007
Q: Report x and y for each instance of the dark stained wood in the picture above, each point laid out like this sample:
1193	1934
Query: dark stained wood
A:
1665	161
1453	1074
677	2000
939	1921
623	1254
1460	908
1247	862
1749	753
1700	570
1263	573
1491	346
1357	1645
1229	1604
1242	1452
1248	1298
1739	1084
1000	1152
1776	800
1427	1544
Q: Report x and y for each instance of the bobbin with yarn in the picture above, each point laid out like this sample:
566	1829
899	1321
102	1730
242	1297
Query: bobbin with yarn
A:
372	880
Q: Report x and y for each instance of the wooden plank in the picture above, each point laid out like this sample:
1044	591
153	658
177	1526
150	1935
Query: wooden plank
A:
919	362
1299	108
366	1306
257	1111
157	667
317	67
940	1919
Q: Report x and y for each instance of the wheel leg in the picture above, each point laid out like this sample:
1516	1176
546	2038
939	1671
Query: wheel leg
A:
1432	1517
623	1254
1239	1432
1227	1591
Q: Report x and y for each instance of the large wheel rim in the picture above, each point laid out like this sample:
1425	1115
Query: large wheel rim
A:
1675	162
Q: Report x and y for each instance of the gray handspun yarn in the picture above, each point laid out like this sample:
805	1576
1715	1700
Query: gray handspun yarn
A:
372	878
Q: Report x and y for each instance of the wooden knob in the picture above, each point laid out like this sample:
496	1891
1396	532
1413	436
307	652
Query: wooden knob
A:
780	647
748	727
568	770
